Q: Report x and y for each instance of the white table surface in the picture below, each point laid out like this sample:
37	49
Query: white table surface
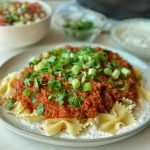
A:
12	141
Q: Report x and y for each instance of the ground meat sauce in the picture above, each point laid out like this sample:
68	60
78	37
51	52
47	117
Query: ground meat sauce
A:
101	97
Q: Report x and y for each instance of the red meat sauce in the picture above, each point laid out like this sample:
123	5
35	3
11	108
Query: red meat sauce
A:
99	99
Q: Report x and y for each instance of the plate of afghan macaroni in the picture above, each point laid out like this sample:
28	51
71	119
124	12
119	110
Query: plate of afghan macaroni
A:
75	94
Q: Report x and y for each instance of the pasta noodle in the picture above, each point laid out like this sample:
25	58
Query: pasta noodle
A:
17	109
120	115
54	126
6	86
128	103
144	93
72	126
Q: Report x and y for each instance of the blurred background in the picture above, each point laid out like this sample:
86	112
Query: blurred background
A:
119	9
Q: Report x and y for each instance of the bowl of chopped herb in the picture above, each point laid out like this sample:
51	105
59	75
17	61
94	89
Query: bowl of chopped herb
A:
79	23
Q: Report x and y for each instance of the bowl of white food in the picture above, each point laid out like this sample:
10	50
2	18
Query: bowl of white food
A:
22	27
133	36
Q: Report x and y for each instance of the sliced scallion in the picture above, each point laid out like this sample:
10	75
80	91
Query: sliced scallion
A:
40	109
76	69
87	87
92	71
115	74
75	83
125	72
108	71
26	92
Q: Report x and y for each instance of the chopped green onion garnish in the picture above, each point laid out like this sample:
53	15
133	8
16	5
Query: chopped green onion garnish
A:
75	83
54	85
115	74
33	61
90	63
26	92
33	99
39	66
92	71
107	71
76	69
52	59
10	103
75	101
103	57
70	79
59	97
37	82
118	83
87	87
125	72
85	58
114	64
27	81
50	97
45	55
40	109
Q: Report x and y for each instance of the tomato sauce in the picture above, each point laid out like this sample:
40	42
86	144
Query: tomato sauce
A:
99	99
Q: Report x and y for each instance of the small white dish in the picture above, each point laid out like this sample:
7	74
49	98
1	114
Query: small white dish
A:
24	35
134	36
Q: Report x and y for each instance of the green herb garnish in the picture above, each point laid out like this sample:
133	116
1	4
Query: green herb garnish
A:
79	25
26	92
10	104
75	101
55	85
40	109
87	87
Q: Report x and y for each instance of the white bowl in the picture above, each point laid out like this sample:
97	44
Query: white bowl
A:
25	35
134	36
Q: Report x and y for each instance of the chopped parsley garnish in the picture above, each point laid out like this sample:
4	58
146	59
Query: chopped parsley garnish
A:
113	64
75	101
79	25
59	97
115	82
37	82
33	99
27	81
55	85
10	104
26	92
118	83
40	109
103	57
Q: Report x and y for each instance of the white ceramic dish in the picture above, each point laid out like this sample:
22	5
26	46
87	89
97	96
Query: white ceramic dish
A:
16	126
24	35
133	36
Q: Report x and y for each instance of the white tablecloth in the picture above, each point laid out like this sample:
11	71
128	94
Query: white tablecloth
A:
12	141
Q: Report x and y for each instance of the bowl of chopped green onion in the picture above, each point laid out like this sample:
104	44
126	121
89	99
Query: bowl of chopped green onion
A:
79	23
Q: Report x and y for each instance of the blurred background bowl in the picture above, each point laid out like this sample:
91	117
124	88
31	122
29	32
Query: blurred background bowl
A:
74	12
24	35
133	35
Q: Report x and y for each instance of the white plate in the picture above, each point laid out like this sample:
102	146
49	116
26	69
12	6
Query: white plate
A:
18	62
